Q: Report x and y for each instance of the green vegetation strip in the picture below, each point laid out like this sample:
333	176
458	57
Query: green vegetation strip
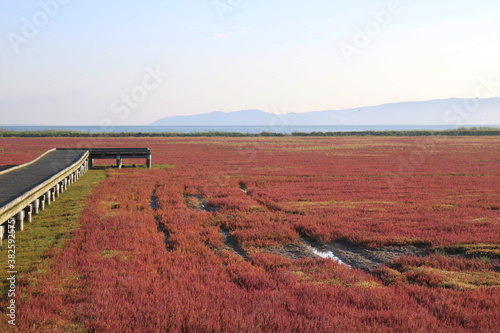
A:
473	131
49	229
482	251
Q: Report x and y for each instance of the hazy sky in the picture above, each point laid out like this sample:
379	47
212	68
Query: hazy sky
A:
80	62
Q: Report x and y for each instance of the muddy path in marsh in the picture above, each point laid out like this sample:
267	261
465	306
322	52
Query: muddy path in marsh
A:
367	259
296	250
200	203
353	256
231	245
161	226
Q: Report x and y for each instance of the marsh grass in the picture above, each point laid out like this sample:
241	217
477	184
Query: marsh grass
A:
50	229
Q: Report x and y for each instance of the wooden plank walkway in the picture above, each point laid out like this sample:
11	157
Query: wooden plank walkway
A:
15	183
29	188
26	189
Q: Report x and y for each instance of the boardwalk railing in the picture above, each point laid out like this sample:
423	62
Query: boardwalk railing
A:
26	189
32	201
118	153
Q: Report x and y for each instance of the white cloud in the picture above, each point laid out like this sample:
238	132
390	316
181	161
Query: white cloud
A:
230	31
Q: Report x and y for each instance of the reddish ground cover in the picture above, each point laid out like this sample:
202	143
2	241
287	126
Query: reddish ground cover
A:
220	198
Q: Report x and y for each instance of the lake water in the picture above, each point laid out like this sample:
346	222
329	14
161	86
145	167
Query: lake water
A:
239	129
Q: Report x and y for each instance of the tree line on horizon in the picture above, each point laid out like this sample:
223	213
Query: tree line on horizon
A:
473	131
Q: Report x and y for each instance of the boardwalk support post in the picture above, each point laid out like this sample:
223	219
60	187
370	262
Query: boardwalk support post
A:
20	220
48	198
29	213
148	161
118	161
36	206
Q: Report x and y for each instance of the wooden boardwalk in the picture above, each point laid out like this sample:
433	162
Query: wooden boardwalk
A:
28	188
15	183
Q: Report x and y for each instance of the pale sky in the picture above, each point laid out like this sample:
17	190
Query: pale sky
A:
87	62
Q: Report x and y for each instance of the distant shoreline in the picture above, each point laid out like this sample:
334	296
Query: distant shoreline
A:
465	131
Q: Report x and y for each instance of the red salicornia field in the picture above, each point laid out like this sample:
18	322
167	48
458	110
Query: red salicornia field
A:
230	234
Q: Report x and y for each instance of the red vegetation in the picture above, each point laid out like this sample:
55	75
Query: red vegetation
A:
462	292
117	273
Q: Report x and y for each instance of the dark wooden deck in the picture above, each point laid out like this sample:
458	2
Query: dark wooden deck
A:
117	153
104	153
15	183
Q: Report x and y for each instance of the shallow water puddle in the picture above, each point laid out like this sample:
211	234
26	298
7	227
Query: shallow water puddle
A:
327	255
243	188
204	207
196	202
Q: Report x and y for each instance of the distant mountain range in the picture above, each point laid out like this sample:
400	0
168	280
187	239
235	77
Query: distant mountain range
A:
453	111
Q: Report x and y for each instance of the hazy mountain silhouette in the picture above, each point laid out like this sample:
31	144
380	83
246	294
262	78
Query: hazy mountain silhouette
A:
453	111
